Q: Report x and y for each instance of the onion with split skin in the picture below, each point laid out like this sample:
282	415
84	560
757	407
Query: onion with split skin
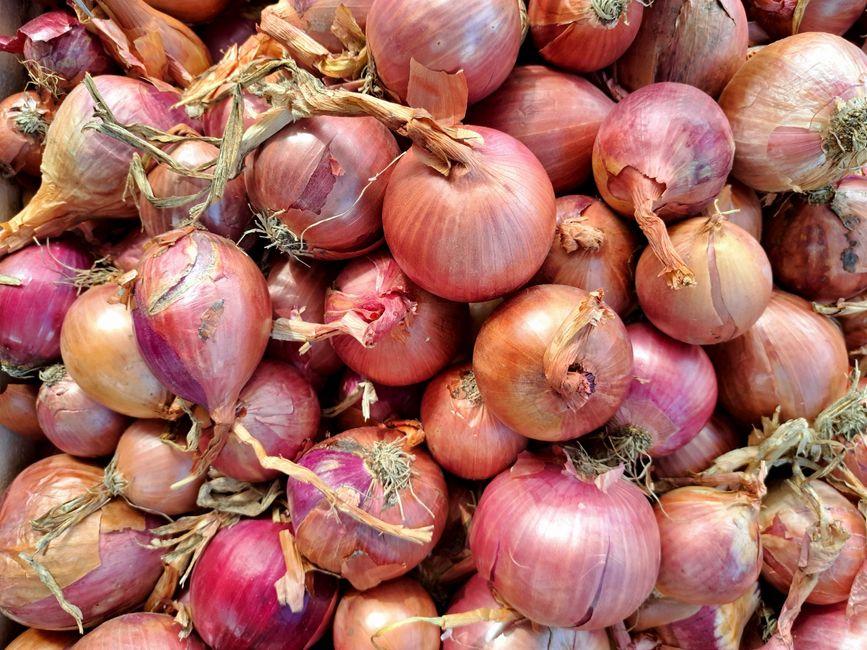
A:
138	631
18	410
716	437
24	120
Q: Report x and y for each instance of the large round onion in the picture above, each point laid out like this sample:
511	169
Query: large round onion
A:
716	437
829	628
18	410
139	631
24	120
34	639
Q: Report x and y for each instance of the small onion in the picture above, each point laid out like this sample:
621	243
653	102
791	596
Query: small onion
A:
829	628
781	19
392	402
553	362
34	639
741	206
139	631
361	614
18	410
24	120
716	437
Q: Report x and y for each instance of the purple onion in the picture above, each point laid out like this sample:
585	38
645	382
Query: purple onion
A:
139	631
392	402
230	28
716	437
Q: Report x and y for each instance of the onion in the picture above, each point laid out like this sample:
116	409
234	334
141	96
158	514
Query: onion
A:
234	603
126	254
663	153
325	204
383	475
781	19
34	639
797	113
733	282
791	357
741	206
361	614
74	422
101	354
214	120
83	172
829	628
476	594
35	293
482	41
24	120
57	50
787	521
672	395
102	564
700	45
471	254
583	35
137	631
462	436
555	115
318	17
228	217
856	456
592	249
559	565
234	26
357	409
553	362
716	437
18	410
190	11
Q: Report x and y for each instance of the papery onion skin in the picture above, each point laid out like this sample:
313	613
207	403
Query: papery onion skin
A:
34	639
559	565
483	42
233	600
358	553
319	16
781	19
780	105
464	438
579	262
741	206
556	115
215	118
190	11
716	437
18	410
786	517
103	564
100	352
138	631
508	361
32	314
455	235
24	120
829	628
361	614
392	403
791	357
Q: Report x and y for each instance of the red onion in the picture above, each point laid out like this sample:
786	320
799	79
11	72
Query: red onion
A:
781	19
234	602
663	153
559	565
126	254
555	115
583	35
232	27
829	628
553	362
214	120
741	206
461	434
190	11
855	456
593	249
74	422
34	639
318	16
138	631
796	112
360	615
35	294
482	42
24	120
383	475
392	402
791	357
716	437
102	564
18	410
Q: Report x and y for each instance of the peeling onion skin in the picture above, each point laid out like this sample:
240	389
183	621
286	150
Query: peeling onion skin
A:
139	631
319	16
716	437
778	18
829	628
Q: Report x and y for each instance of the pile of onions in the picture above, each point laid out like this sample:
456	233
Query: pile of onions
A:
481	41
663	153
84	172
233	599
102	564
326	203
454	234
34	639
797	114
361	614
733	282
791	357
716	437
391	480
73	421
781	19
559	565
741	206
357	410
702	46
24	120
461	434
829	628
553	362
586	35
18	410
139	630
35	294
190	11
556	115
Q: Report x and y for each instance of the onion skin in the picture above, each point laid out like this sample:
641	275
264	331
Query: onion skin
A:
137	631
552	572
741	206
190	11
319	16
34	639
361	614
829	628
475	215
361	555
392	403
780	104
483	42
24	120
215	118
18	410
781	19
461	434
508	360
791	357
102	564
697	43
556	115
716	437
233	600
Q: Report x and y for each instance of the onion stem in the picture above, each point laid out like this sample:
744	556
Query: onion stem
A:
577	233
503	615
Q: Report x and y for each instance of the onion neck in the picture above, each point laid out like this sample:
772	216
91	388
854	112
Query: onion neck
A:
845	141
820	196
467	389
577	233
52	374
608	12
30	121
369	319
45	215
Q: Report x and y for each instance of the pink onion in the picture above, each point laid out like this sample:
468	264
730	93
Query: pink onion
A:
829	628
126	253
716	437
139	631
783	18
214	120
392	402
741	206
